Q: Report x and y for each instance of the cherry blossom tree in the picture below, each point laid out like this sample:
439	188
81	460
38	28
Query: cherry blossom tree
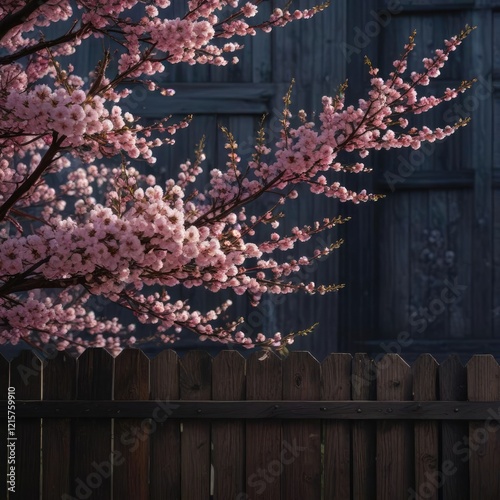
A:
114	231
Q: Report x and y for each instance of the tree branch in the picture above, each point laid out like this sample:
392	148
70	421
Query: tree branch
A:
43	45
31	180
19	17
38	283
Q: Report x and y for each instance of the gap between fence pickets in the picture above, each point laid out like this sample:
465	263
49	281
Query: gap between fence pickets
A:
282	410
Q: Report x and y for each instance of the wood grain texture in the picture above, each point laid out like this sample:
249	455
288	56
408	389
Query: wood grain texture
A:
425	379
483	384
228	437
453	387
92	438
263	439
363	433
59	383
165	445
395	447
301	471
195	383
132	436
336	385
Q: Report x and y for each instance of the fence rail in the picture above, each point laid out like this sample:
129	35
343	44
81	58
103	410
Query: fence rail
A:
229	428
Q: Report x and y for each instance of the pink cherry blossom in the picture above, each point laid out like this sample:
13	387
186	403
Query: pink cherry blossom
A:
114	234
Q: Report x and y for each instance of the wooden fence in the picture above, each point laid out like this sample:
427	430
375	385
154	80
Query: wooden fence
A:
227	428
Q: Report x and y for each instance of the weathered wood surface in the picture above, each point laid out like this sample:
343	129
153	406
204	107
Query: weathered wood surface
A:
92	437
453	387
59	383
197	426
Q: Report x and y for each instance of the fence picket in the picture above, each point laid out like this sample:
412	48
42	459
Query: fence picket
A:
195	383
197	427
25	376
302	476
228	384
132	435
165	446
336	385
263	438
425	373
394	438
483	384
92	437
453	387
363	432
59	383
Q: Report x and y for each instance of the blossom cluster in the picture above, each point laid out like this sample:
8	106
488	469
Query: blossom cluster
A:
118	234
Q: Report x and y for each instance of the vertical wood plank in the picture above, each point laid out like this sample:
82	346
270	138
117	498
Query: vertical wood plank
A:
394	292
59	383
92	454
453	387
336	385
165	446
263	437
482	228
195	383
483	384
132	435
425	373
363	432
4	431
25	377
394	438
228	384
301	471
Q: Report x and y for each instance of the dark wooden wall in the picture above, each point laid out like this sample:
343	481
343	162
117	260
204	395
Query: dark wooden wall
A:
440	221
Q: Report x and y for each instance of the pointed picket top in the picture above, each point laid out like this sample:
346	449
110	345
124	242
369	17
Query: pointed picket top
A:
131	375
336	377
59	376
336	435
301	376
425	372
228	376
452	379
229	356
393	379
165	468
483	384
164	375
131	382
264	376
196	375
483	378
364	376
25	375
95	374
228	437
453	387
